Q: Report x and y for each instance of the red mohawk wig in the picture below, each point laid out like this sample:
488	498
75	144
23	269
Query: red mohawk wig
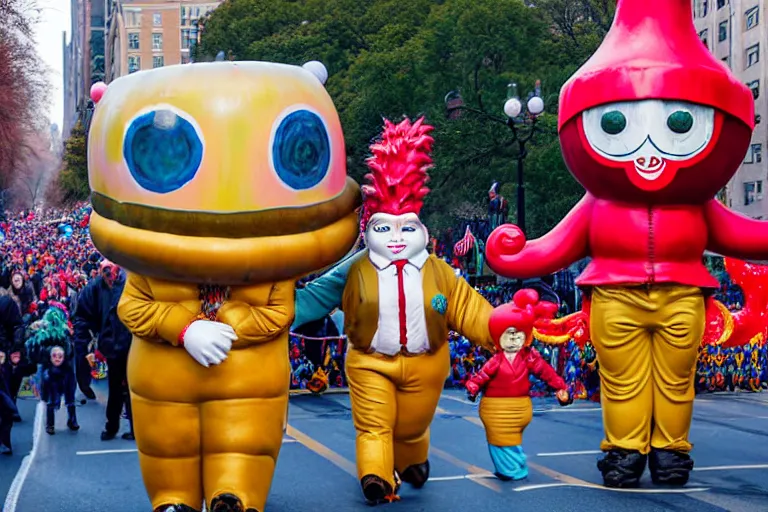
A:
399	164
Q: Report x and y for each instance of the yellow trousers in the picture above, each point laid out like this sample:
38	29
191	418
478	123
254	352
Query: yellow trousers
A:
393	403
647	341
505	419
202	431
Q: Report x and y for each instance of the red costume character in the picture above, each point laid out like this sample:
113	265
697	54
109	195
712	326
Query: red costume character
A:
506	408
652	126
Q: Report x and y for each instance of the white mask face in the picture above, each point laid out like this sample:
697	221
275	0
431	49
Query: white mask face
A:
396	237
512	341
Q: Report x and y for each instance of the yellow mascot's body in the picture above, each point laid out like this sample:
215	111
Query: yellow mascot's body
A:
215	186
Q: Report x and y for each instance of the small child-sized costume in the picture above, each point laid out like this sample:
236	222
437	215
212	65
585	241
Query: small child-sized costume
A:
49	343
506	407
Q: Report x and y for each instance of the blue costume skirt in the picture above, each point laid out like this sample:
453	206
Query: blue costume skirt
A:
509	462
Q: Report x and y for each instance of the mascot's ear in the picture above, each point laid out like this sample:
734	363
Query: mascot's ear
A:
318	69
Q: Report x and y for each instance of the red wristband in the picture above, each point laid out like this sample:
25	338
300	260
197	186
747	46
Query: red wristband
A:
183	332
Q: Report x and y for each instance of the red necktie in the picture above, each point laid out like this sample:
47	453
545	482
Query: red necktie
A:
399	264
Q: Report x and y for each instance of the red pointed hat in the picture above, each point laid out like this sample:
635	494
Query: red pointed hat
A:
399	164
652	51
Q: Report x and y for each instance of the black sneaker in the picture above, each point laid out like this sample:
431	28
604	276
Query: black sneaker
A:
50	431
622	468
669	467
5	450
108	436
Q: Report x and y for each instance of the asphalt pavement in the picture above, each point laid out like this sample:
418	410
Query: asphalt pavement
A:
77	472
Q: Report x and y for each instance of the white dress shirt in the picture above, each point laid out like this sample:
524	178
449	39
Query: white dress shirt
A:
387	337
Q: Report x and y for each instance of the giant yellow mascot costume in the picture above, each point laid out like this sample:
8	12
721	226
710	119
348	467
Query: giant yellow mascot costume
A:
399	303
216	185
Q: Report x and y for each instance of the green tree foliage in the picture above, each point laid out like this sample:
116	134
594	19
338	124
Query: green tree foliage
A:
72	182
391	58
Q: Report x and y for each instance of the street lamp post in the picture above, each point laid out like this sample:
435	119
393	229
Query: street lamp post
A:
521	119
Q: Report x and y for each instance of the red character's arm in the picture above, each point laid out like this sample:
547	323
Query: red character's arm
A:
542	369
509	255
486	373
733	234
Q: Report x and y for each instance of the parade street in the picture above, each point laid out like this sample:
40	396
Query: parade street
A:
76	472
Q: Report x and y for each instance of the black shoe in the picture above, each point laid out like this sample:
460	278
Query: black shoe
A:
128	436
16	418
108	436
226	503
90	395
175	508
622	468
669	467
5	450
377	490
50	430
416	475
72	419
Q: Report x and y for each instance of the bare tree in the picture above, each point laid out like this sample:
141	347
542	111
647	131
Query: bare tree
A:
24	88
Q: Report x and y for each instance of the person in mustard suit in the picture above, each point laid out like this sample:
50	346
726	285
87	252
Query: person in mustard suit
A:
399	303
216	185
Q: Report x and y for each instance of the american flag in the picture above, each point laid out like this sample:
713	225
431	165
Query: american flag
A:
464	245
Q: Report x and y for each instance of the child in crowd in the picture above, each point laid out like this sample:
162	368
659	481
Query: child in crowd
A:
49	343
506	408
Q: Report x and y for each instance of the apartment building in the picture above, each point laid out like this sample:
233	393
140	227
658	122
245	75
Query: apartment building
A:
154	33
735	32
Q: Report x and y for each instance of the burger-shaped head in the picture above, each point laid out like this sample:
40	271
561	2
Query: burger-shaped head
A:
653	116
227	173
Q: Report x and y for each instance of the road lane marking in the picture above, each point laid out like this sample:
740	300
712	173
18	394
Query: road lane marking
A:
685	490
334	458
725	468
134	450
106	452
460	477
12	498
559	454
469	468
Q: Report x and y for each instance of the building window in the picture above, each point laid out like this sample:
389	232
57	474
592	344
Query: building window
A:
720	4
157	41
704	36
158	61
157	19
754	155
134	63
753	55
726	61
753	191
184	16
722	31
752	17
754	86
186	39
133	41
132	19
702	7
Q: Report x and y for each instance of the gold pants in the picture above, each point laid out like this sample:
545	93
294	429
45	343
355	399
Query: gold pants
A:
647	341
505	419
393	403
202	431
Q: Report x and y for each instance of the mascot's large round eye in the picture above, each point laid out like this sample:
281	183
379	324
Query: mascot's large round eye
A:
613	122
162	150
680	121
301	150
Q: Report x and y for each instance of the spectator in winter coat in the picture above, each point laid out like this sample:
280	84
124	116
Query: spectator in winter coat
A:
22	291
16	365
97	313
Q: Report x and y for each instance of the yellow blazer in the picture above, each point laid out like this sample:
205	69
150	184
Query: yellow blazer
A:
449	304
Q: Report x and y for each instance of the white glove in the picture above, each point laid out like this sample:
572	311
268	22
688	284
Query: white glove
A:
209	342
